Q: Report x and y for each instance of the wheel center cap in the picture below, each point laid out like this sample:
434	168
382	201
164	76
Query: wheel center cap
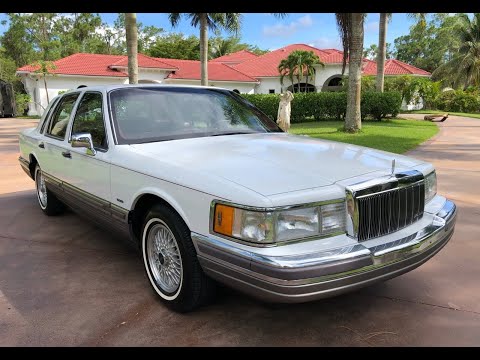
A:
161	258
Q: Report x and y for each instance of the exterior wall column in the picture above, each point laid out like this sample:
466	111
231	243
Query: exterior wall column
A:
30	86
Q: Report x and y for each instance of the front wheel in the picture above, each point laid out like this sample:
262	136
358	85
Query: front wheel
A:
171	261
48	202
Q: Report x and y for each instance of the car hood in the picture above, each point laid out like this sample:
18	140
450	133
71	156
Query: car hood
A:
274	163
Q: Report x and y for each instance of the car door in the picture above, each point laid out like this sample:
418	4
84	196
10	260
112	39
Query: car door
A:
88	174
54	147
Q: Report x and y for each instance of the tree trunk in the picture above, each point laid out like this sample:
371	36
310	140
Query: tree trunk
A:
382	49
46	89
132	46
353	120
203	49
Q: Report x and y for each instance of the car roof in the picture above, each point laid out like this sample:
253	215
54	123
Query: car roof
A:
107	88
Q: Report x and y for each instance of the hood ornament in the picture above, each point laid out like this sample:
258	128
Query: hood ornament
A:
393	167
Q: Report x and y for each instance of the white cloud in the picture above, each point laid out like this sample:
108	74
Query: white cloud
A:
288	29
327	43
305	21
371	26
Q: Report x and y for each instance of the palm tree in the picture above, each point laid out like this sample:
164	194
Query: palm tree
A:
309	60
350	26
228	21
132	46
464	67
382	49
221	46
287	68
299	63
382	44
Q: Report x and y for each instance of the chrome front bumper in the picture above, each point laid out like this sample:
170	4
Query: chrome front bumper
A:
319	274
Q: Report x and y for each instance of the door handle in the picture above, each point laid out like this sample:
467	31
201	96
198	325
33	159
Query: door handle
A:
41	145
67	154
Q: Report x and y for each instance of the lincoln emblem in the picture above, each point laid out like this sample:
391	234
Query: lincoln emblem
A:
393	166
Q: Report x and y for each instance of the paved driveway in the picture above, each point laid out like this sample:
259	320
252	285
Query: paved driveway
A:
65	282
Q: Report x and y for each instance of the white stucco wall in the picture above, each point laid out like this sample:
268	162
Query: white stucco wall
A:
36	88
268	83
155	75
244	88
323	73
412	106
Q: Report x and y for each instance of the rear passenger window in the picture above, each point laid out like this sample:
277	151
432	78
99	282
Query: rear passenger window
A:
58	124
89	119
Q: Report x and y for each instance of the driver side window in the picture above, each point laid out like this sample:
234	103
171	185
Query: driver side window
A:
89	119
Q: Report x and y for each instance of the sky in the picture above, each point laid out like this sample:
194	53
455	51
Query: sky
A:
270	33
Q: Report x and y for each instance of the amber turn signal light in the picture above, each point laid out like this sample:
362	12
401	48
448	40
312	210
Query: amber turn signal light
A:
223	220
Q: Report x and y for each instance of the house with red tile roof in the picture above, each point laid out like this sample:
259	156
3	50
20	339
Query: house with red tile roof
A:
243	71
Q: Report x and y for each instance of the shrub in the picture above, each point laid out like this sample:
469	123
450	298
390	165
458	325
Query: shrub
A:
459	101
21	103
379	105
328	105
268	103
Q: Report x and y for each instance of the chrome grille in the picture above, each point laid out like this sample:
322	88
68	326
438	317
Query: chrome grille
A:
388	211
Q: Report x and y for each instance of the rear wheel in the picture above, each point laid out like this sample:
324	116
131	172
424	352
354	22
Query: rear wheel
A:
171	261
48	202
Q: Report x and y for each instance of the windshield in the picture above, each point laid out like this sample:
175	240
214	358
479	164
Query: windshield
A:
148	114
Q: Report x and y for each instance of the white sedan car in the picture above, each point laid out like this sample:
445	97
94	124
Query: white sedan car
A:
209	188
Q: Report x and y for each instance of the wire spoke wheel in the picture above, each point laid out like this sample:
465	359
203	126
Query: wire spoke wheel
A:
164	258
41	189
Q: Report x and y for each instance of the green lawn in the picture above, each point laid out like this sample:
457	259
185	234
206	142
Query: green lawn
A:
396	135
28	117
471	115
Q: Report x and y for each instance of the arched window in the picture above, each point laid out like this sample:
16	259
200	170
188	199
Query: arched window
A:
302	87
333	83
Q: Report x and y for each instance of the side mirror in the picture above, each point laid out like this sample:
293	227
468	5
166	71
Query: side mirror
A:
84	140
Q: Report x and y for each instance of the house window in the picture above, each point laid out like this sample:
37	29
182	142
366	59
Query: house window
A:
271	91
333	83
336	81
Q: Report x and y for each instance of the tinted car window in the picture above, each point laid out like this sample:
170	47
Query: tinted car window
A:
58	124
89	119
161	113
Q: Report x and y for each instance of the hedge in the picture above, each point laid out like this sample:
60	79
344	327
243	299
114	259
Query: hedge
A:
458	101
379	105
328	105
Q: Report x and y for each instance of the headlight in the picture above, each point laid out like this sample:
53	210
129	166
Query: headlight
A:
430	186
266	227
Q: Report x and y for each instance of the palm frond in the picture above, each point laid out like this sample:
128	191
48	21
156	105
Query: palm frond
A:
464	68
174	19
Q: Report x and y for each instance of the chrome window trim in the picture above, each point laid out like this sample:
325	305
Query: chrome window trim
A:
110	117
375	186
271	209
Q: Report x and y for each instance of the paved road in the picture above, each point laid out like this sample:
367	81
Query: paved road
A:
64	282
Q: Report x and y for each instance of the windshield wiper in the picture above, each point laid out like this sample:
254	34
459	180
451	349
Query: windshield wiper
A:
233	133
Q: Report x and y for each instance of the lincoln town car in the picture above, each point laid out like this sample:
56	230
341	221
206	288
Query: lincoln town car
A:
211	191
